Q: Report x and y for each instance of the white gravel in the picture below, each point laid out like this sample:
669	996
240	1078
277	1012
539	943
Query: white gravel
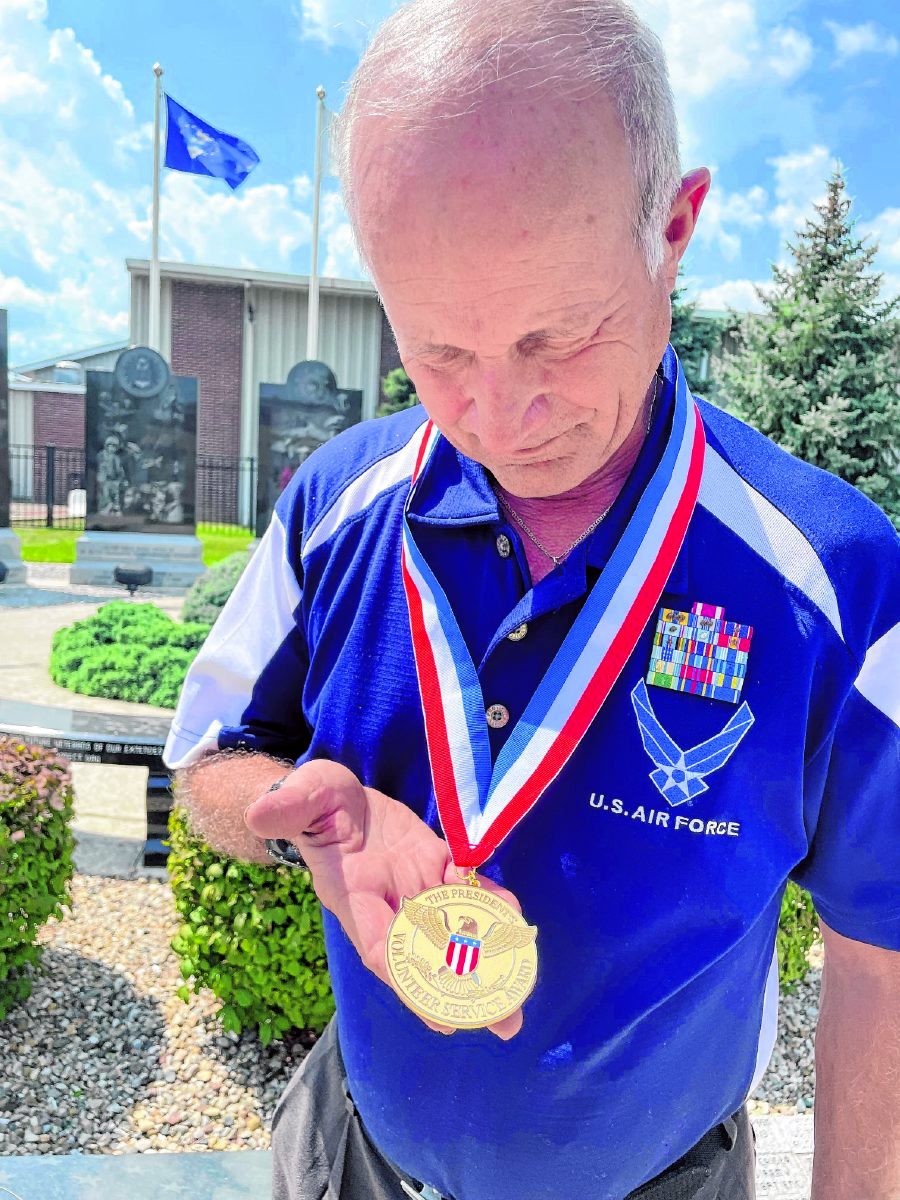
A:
104	1058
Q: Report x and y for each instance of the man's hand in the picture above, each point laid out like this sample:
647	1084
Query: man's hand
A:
365	852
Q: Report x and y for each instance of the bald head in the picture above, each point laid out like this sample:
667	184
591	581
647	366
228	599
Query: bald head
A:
435	62
511	170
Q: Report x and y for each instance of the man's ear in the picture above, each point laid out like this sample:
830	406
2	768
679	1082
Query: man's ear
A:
683	219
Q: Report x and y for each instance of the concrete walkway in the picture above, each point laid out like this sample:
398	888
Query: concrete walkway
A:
784	1163
110	802
110	823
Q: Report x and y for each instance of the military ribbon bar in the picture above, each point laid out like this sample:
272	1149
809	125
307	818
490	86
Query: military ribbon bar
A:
480	803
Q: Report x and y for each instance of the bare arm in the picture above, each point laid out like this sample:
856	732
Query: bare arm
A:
218	790
364	850
857	1153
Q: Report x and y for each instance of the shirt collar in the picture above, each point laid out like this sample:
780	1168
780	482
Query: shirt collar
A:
456	490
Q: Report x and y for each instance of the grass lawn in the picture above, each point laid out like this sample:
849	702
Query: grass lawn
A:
58	545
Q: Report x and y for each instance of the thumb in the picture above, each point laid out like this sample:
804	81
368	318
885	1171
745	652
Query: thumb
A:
319	799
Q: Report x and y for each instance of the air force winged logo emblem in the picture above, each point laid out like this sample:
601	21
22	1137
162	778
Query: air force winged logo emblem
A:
680	773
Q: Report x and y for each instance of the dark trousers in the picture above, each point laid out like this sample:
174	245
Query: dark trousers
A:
321	1151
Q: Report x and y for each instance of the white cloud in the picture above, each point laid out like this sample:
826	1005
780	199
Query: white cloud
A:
14	291
724	215
851	40
74	205
885	230
714	44
791	52
737	294
341	258
339	22
16	84
261	225
800	182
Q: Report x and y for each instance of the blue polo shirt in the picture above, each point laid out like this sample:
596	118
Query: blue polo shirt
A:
656	902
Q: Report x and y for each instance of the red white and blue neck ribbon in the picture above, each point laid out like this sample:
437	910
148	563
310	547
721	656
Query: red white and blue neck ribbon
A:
479	804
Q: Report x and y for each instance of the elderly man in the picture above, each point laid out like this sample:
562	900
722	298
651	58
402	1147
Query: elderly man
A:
566	625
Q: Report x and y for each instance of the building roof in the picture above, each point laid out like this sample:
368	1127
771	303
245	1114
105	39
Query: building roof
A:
69	356
197	272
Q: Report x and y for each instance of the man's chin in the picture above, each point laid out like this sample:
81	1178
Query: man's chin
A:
538	480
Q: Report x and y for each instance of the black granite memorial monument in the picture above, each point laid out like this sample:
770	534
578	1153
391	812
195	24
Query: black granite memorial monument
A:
294	418
141	446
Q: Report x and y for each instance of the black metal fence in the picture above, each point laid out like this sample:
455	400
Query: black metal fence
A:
48	489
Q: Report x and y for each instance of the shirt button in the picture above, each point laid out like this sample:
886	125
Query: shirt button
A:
518	634
497	716
504	546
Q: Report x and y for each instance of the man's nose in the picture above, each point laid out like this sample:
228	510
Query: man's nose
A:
501	412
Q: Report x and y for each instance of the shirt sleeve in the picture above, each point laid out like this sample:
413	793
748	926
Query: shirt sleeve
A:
243	690
852	869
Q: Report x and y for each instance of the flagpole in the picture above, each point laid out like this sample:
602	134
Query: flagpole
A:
153	338
312	325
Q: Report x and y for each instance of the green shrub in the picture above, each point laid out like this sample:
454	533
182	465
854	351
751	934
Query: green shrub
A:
206	596
127	652
798	928
252	934
36	846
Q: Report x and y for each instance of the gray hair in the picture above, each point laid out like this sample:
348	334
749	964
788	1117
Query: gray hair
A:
432	59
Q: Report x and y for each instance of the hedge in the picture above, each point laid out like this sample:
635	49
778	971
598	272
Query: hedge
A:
36	848
252	934
126	651
206	596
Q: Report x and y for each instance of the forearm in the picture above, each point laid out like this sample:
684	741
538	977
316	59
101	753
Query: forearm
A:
857	1154
217	791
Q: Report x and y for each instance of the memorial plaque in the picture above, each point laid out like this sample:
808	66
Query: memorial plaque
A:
141	446
294	419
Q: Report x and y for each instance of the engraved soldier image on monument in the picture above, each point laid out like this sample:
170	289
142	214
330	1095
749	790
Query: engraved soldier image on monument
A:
140	450
294	418
140	440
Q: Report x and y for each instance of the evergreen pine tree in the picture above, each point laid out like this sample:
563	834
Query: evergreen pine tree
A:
818	373
692	338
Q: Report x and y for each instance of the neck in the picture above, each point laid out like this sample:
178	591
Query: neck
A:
559	520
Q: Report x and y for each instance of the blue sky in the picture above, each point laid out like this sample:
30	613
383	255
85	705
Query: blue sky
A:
769	93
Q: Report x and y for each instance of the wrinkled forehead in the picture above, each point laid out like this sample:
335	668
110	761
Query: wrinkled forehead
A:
457	182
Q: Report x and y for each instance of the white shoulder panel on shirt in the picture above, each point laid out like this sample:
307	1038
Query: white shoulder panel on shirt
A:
766	529
358	495
879	676
221	678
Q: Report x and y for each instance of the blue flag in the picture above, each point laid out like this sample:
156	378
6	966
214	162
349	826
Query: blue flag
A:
194	146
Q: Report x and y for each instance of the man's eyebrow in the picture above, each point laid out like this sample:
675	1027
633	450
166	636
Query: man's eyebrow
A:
565	327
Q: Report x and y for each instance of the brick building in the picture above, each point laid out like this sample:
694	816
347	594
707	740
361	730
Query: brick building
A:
233	330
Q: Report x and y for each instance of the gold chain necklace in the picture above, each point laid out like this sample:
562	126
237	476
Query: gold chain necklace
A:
556	559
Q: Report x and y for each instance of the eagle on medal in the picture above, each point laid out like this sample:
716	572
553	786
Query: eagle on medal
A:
463	947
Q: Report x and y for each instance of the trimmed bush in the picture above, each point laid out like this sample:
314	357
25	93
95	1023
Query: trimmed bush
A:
206	596
127	652
251	934
36	847
798	928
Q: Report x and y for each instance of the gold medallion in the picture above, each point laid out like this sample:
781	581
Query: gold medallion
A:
460	955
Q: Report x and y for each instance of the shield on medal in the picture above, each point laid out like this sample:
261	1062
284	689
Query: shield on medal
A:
464	948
